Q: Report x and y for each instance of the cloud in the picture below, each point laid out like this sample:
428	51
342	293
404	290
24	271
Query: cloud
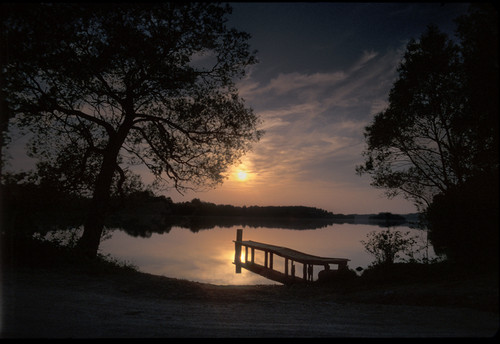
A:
367	80
314	125
294	82
314	122
367	56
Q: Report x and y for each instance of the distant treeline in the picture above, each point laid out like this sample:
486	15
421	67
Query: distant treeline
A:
28	208
200	208
142	213
387	217
147	201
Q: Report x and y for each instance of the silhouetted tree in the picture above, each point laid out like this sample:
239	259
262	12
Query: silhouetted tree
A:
463	223
437	142
463	220
414	147
106	86
439	128
478	33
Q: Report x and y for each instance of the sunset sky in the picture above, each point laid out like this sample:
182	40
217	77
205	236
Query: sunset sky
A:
325	70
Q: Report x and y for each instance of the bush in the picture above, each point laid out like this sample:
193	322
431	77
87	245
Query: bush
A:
463	222
387	246
398	273
55	250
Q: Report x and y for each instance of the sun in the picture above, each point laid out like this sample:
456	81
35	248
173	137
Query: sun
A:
242	176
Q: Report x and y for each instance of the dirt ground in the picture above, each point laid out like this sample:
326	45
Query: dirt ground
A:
45	303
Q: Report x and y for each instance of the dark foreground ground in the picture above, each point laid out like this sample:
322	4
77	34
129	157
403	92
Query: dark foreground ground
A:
67	302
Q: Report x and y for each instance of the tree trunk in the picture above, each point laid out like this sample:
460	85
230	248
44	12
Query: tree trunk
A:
94	223
99	206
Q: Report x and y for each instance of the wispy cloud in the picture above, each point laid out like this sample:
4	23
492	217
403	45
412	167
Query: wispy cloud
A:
367	56
324	73
314	122
295	82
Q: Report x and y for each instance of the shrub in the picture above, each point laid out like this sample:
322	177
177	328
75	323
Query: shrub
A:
388	245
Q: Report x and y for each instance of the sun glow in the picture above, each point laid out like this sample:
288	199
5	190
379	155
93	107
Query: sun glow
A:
242	173
242	176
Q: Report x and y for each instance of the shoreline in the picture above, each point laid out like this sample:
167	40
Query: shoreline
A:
73	303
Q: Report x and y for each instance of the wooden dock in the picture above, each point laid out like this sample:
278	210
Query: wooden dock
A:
290	256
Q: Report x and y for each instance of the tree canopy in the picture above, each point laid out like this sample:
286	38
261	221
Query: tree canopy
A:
441	126
437	142
106	86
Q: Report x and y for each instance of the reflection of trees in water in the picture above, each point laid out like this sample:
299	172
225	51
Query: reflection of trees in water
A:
387	223
33	208
149	214
197	223
30	209
146	225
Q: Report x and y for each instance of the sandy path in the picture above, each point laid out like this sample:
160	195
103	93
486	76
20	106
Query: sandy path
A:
51	305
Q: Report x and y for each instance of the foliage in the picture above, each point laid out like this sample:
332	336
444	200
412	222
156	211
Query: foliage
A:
463	222
139	80
412	272
409	149
388	245
441	125
437	142
60	238
103	87
478	33
56	251
200	208
29	205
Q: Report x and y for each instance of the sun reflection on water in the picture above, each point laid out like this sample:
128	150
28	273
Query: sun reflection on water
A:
208	255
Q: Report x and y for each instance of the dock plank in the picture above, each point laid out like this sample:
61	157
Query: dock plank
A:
293	254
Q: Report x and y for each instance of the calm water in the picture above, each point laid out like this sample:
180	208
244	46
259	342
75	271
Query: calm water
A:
208	255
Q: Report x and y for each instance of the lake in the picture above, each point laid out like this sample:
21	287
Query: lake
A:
207	255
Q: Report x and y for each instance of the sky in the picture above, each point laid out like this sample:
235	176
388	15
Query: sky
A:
325	69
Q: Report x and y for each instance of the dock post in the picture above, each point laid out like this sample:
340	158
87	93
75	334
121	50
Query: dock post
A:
237	250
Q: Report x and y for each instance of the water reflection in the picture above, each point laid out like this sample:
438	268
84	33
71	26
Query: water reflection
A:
148	225
207	256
